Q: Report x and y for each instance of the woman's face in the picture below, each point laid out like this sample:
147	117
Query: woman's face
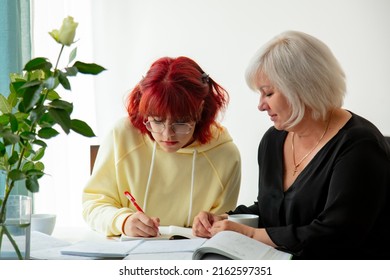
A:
171	135
274	103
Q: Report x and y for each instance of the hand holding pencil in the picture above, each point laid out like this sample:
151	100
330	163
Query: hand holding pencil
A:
139	224
133	201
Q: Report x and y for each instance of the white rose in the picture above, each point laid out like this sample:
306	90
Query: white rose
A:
67	32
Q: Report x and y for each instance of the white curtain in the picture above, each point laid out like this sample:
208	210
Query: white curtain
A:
67	156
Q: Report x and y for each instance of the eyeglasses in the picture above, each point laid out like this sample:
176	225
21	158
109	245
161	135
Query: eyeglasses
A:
159	127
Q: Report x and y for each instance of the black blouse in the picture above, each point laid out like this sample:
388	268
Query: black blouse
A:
339	205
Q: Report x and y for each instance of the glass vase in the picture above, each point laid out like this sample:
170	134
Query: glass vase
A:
15	228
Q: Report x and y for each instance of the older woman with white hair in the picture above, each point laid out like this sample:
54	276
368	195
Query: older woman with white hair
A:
324	171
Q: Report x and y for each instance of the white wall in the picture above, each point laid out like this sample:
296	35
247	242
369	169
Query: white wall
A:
222	36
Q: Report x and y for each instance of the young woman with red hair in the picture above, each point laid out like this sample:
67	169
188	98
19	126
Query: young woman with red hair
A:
170	153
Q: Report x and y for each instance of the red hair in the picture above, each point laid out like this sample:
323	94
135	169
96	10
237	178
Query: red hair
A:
178	88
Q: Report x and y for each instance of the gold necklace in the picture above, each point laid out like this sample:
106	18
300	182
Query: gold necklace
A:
315	146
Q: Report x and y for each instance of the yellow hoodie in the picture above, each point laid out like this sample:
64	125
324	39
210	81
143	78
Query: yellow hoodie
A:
172	186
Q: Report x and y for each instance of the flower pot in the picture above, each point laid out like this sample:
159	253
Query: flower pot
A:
15	228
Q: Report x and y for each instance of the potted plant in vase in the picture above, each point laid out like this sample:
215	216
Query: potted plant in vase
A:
30	115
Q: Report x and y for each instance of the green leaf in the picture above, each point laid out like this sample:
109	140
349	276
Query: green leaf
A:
16	175
38	63
39	154
82	128
39	143
52	95
31	97
12	99
34	172
33	84
64	81
88	68
27	135
14	123
9	137
17	88
5	107
4	120
39	166
27	166
72	55
46	120
47	133
21	117
14	158
61	104
16	77
37	75
71	71
2	149
32	184
61	117
21	107
37	113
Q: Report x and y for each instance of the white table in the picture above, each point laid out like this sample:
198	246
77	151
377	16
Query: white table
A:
75	234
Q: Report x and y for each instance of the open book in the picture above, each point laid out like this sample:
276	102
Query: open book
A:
137	245
236	246
223	245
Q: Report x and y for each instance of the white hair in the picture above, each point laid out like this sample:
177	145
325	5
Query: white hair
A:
304	70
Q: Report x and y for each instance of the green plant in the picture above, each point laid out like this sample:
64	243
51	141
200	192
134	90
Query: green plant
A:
33	110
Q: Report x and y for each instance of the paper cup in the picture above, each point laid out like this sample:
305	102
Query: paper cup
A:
245	219
43	223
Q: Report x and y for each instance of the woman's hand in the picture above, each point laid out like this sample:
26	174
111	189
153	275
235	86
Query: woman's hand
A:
203	223
259	234
232	226
141	225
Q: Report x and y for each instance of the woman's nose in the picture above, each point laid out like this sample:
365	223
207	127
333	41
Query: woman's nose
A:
168	131
262	106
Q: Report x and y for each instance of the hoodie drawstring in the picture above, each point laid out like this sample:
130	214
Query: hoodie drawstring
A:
192	187
192	181
150	175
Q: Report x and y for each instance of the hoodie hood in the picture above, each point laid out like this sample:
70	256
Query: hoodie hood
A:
220	136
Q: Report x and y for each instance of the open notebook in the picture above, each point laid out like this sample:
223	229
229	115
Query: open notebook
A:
166	232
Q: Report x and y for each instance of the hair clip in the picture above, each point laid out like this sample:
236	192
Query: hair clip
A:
205	78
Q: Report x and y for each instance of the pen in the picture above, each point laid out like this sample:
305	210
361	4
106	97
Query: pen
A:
132	199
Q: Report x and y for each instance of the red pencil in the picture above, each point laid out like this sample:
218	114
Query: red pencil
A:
132	199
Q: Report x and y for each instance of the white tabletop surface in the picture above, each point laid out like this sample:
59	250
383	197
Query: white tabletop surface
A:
75	234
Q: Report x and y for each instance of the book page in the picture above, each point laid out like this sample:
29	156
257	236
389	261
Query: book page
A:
104	249
238	246
168	246
55	254
160	256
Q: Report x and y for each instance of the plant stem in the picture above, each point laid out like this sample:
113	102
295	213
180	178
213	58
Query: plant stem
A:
5	199
4	230
58	59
